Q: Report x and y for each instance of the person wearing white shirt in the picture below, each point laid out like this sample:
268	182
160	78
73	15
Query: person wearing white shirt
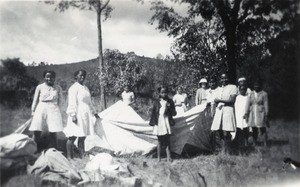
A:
127	95
46	110
224	120
201	94
81	114
180	101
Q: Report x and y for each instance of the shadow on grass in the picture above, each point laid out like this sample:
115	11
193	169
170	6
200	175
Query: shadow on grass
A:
5	175
245	150
277	142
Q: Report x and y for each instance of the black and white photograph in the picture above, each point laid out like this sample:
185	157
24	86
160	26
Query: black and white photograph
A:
149	93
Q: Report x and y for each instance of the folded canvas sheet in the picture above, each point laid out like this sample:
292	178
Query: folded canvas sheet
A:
124	134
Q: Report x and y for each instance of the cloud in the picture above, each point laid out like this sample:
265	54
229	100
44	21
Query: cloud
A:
33	31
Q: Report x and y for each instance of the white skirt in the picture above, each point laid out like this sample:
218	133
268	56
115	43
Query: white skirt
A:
163	127
180	110
47	117
85	123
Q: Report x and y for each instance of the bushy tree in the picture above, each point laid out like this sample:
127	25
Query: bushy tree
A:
120	69
217	31
16	86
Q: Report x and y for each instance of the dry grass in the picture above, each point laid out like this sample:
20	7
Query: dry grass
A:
262	166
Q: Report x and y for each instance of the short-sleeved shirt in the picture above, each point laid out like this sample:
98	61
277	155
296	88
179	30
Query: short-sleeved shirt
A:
224	118
127	97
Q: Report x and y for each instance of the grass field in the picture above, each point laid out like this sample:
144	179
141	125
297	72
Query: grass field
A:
260	166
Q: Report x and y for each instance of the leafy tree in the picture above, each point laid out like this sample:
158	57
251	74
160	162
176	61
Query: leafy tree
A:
120	69
101	8
16	87
215	31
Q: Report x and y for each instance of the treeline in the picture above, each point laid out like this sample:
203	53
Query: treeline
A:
278	71
16	87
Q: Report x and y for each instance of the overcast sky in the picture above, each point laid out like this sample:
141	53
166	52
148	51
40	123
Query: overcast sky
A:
33	31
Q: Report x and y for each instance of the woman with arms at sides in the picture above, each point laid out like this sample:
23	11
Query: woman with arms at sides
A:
45	110
180	101
201	94
127	95
259	110
241	107
81	114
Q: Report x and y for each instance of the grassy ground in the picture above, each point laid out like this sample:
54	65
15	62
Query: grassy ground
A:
260	166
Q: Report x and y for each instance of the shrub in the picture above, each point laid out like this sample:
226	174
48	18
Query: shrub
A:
16	87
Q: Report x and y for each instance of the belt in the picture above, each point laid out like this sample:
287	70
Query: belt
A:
53	102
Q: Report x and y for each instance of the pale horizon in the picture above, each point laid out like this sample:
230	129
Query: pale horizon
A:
33	31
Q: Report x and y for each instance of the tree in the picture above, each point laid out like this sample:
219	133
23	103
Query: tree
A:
121	70
101	8
16	87
225	28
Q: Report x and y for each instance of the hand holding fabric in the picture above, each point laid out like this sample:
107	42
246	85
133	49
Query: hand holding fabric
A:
97	116
74	119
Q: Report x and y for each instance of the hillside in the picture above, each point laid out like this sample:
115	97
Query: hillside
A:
65	71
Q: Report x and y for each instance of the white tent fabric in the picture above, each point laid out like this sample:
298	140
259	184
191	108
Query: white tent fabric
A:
15	151
123	131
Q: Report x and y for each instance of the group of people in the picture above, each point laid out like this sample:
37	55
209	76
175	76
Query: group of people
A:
238	113
47	115
233	108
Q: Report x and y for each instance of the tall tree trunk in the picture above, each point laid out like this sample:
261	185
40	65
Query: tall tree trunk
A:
101	64
231	56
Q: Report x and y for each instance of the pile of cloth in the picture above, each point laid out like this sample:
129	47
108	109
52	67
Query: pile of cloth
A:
16	151
18	154
53	166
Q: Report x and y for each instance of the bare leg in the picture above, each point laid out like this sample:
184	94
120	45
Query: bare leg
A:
227	140
246	134
158	149
263	132
81	145
53	140
255	135
36	137
69	146
168	148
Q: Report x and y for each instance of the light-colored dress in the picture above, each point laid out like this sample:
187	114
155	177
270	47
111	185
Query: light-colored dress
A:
80	105
163	127
201	96
248	91
127	97
179	101
259	109
224	118
45	105
211	100
210	95
241	107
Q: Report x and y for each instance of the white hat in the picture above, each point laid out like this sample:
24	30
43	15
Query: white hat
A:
102	161
241	79
203	80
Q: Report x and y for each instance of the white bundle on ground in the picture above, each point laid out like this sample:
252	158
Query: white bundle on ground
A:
16	150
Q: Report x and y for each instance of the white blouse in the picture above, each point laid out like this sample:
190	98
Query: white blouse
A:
45	93
127	97
79	96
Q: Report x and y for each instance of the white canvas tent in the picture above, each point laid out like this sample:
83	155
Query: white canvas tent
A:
123	131
128	133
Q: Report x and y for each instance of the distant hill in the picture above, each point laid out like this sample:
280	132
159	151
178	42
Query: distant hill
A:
63	71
